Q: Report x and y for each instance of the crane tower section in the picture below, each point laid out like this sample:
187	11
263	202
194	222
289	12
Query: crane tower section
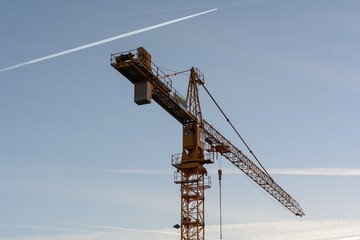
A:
150	82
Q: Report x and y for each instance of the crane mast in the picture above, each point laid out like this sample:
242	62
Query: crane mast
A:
200	139
191	173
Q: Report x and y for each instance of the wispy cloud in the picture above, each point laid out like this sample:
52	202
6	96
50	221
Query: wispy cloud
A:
328	229
306	171
141	171
104	41
317	171
296	230
125	229
42	228
274	171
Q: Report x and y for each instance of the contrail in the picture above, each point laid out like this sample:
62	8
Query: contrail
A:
105	41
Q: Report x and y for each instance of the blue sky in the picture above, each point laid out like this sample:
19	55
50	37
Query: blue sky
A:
80	160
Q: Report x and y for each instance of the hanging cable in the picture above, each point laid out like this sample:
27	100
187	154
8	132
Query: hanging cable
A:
228	120
174	74
173	70
167	69
220	178
220	174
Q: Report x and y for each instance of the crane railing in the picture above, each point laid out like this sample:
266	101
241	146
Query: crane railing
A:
134	64
220	144
160	75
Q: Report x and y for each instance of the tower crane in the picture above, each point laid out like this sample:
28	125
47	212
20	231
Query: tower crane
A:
200	139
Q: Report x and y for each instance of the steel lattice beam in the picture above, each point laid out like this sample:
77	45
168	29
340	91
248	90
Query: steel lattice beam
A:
235	156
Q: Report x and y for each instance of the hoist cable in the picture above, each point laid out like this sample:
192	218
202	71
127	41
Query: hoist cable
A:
220	173
228	120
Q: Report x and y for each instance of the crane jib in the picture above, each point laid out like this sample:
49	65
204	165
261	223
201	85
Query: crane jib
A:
235	156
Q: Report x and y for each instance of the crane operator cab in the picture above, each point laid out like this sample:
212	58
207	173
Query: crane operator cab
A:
193	147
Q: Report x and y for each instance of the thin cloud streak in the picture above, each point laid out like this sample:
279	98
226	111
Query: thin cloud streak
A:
274	171
317	171
301	171
105	41
141	171
43	228
124	229
306	171
327	229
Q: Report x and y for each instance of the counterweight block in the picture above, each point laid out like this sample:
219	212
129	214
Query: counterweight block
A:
142	92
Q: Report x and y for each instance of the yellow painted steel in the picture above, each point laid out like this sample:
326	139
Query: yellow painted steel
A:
198	137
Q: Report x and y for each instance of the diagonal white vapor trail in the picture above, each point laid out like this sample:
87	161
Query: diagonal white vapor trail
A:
105	40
